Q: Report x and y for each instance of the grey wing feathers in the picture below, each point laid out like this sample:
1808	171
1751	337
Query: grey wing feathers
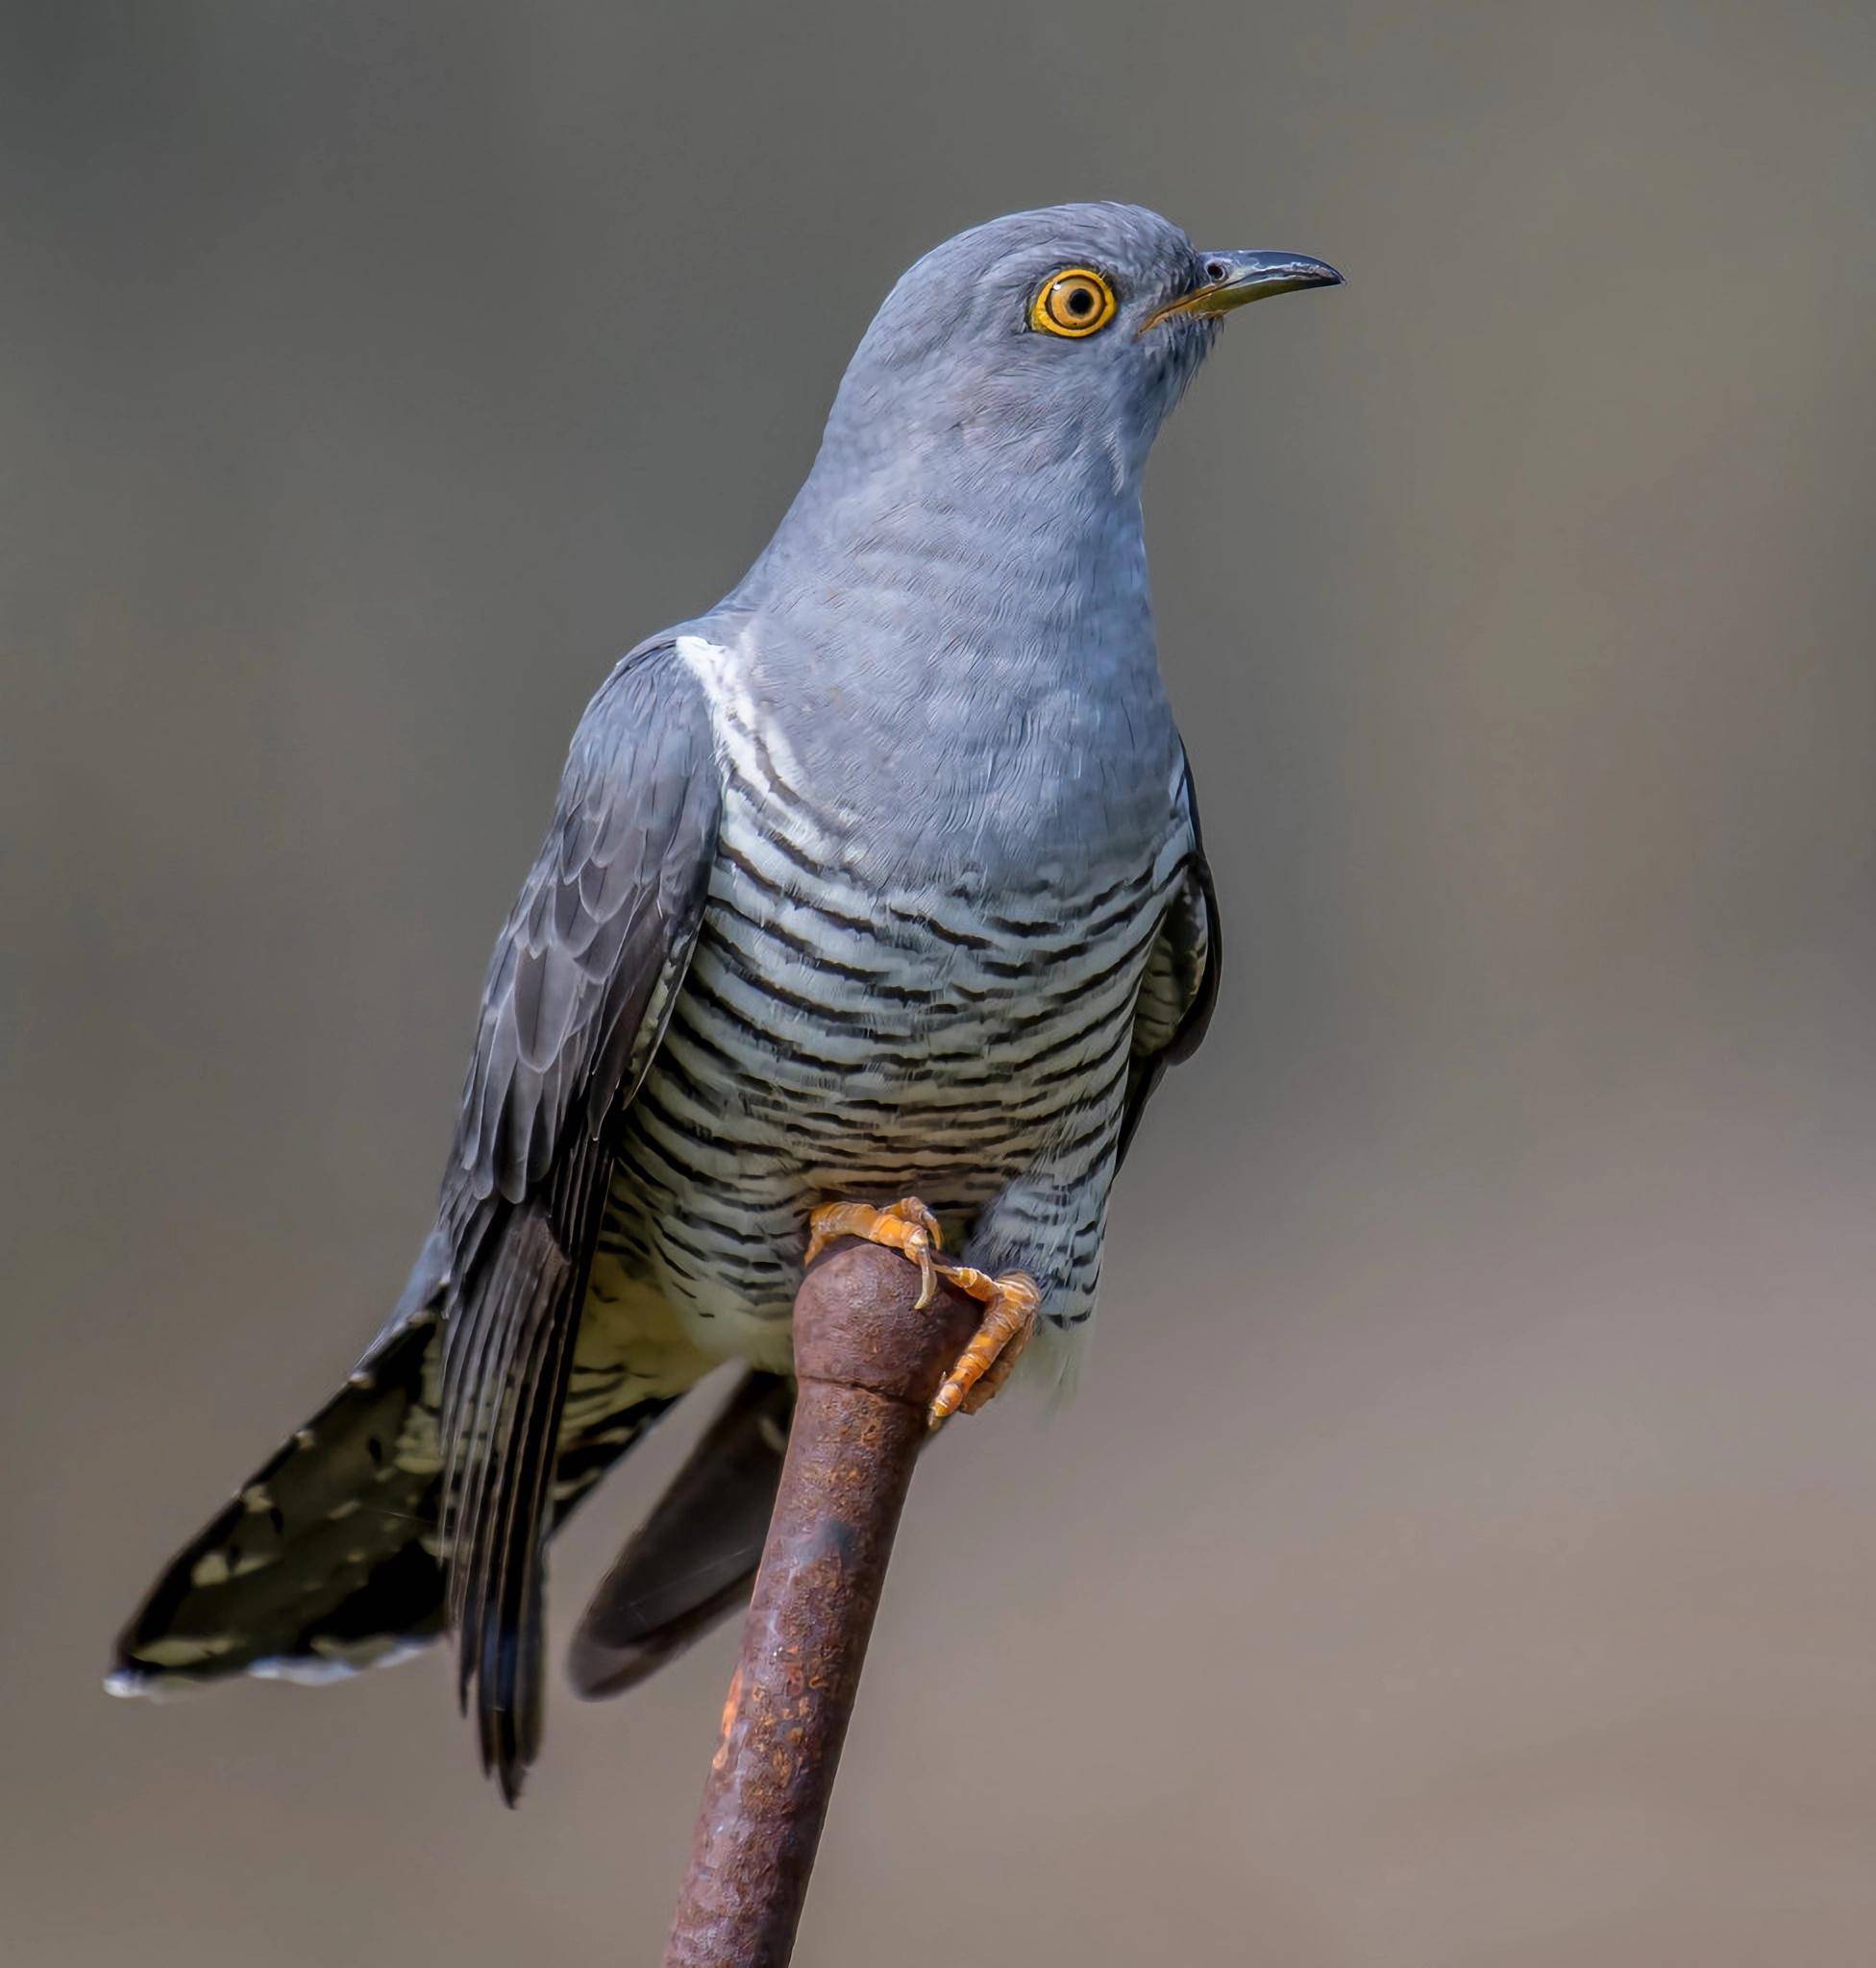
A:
578	993
583	955
1181	988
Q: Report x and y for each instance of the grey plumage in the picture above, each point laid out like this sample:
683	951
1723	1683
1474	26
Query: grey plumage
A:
577	998
883	877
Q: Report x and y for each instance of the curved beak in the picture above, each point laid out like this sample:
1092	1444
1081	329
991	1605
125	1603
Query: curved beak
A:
1238	279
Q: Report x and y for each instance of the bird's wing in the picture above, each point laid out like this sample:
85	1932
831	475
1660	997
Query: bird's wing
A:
1180	987
579	989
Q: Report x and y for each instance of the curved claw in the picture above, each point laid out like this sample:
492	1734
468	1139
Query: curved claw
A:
905	1226
1009	1300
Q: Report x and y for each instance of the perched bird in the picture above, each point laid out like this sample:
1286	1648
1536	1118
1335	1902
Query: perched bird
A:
873	902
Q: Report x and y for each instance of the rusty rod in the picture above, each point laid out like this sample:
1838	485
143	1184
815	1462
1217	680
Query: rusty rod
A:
867	1363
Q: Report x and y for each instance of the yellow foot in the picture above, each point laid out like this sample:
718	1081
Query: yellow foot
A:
1010	1323
905	1226
1010	1299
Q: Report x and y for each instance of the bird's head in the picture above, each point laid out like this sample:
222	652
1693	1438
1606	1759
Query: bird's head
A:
1044	337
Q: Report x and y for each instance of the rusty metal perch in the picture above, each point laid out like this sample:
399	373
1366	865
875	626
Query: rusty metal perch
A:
867	1362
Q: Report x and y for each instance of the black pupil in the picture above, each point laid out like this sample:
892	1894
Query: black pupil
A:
1082	301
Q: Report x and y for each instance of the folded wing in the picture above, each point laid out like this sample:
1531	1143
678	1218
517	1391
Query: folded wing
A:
577	993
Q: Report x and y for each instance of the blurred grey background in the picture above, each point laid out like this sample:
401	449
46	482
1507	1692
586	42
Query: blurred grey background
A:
1464	1550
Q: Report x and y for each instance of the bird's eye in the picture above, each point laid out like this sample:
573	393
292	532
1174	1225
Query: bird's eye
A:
1076	302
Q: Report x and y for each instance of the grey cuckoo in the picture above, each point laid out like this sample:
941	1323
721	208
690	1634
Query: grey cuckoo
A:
874	901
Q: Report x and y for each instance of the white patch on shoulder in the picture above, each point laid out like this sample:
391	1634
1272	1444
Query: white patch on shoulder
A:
715	668
744	730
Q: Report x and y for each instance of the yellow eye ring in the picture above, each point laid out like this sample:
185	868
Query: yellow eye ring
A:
1076	302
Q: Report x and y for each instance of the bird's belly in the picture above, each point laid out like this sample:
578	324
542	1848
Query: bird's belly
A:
839	1038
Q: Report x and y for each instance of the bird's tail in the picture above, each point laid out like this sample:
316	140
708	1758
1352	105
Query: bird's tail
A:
329	1559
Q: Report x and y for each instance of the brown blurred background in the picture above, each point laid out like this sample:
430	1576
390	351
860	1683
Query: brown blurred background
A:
1464	1549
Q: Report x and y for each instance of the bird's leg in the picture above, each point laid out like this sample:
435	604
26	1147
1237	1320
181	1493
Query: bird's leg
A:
1009	1300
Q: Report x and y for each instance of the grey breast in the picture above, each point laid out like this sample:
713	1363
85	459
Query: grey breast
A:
932	1021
